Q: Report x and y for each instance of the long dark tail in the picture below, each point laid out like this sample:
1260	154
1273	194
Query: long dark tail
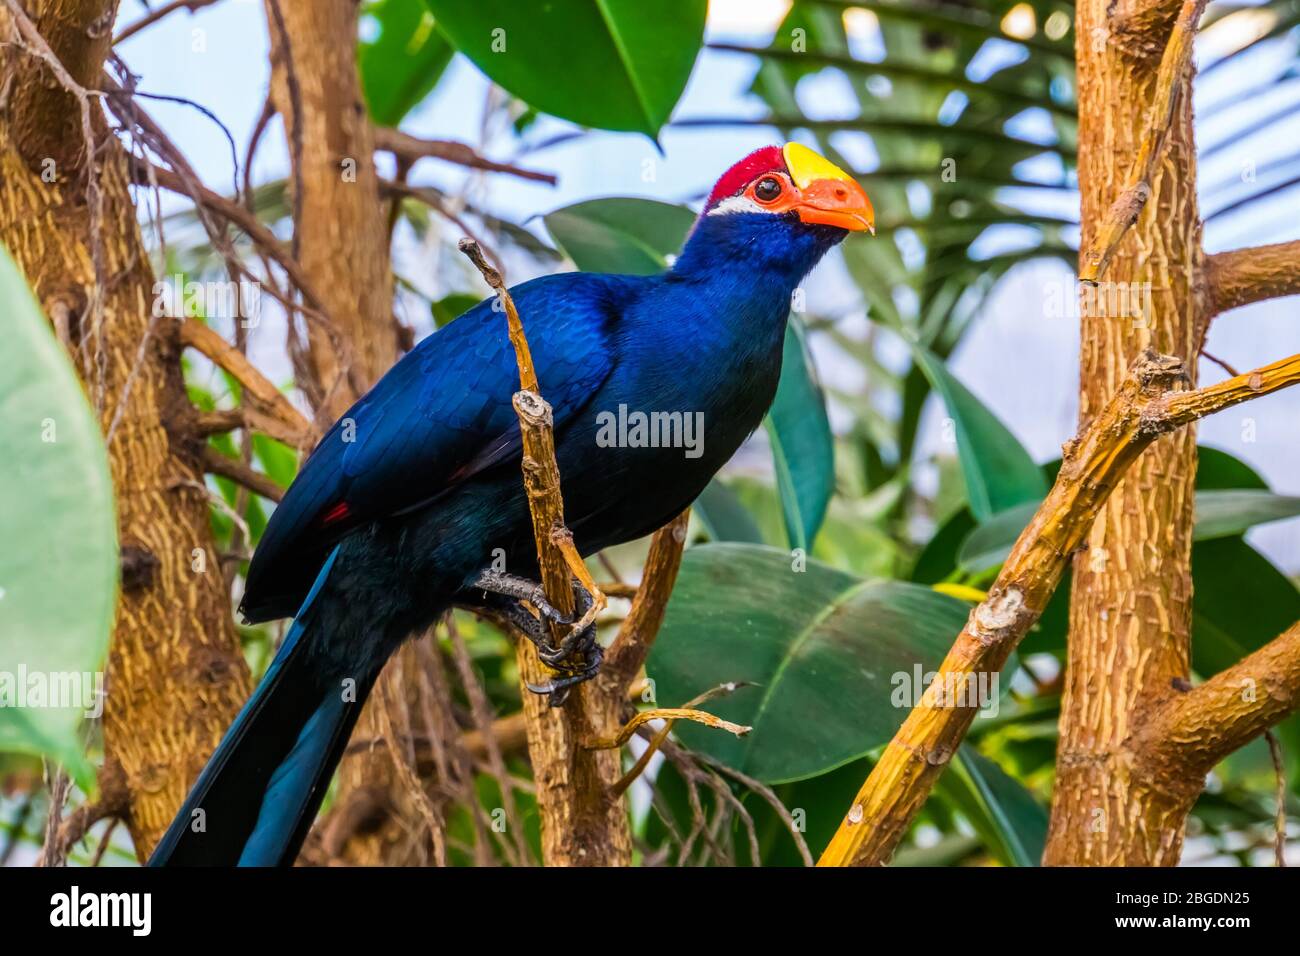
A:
256	798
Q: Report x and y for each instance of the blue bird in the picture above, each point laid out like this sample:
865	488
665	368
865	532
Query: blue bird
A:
415	494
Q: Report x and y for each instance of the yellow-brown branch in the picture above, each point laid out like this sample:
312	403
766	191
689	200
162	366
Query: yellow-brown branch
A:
1143	409
1243	276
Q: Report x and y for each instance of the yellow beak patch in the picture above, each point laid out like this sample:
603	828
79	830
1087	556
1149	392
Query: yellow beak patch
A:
806	166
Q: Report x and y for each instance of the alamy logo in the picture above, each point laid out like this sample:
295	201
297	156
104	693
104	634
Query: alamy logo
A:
103	909
637	429
53	689
175	297
977	691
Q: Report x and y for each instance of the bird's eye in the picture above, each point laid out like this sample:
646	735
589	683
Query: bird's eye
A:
767	189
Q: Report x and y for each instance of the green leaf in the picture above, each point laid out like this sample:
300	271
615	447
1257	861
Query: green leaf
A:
1008	818
991	541
1220	513
453	306
832	654
938	558
278	460
803	449
724	516
1240	602
611	64
628	236
1217	470
57	589
404	62
999	472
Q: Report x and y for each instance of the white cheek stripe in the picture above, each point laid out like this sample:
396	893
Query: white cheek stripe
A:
733	204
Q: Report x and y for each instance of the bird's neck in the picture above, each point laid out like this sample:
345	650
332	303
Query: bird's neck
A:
770	249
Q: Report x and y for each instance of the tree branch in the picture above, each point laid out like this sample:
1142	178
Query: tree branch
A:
153	16
628	653
410	148
1193	731
267	409
1133	198
1142	410
238	472
234	213
1251	275
583	823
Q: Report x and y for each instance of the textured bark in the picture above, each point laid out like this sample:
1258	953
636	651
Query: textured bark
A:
340	230
1243	276
342	248
1130	614
176	675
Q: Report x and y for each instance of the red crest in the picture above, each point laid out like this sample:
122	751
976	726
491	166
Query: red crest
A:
766	160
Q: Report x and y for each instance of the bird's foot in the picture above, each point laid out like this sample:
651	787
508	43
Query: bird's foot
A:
577	657
572	673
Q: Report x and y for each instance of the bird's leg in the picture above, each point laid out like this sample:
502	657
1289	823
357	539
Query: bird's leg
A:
520	589
577	657
529	625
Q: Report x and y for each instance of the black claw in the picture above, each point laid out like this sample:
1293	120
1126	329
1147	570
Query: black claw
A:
577	658
559	688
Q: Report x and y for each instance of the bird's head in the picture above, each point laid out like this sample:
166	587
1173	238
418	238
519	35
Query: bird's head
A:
780	203
795	183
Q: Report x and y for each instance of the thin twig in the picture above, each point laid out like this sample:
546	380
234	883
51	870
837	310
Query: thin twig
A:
54	851
1219	362
411	148
294	122
481	710
1279	820
238	472
105	841
428	809
666	713
628	652
153	16
266	408
656	742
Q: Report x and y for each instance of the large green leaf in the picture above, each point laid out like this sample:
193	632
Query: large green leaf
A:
1220	513
999	472
631	236
452	306
1010	821
58	569
832	654
724	515
404	60
803	449
938	558
611	64
991	541
1239	603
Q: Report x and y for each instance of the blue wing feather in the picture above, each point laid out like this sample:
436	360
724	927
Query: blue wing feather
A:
440	415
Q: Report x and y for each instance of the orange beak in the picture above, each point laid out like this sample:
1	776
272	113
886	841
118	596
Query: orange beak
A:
827	195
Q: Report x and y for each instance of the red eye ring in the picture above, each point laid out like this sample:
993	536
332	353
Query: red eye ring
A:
767	189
